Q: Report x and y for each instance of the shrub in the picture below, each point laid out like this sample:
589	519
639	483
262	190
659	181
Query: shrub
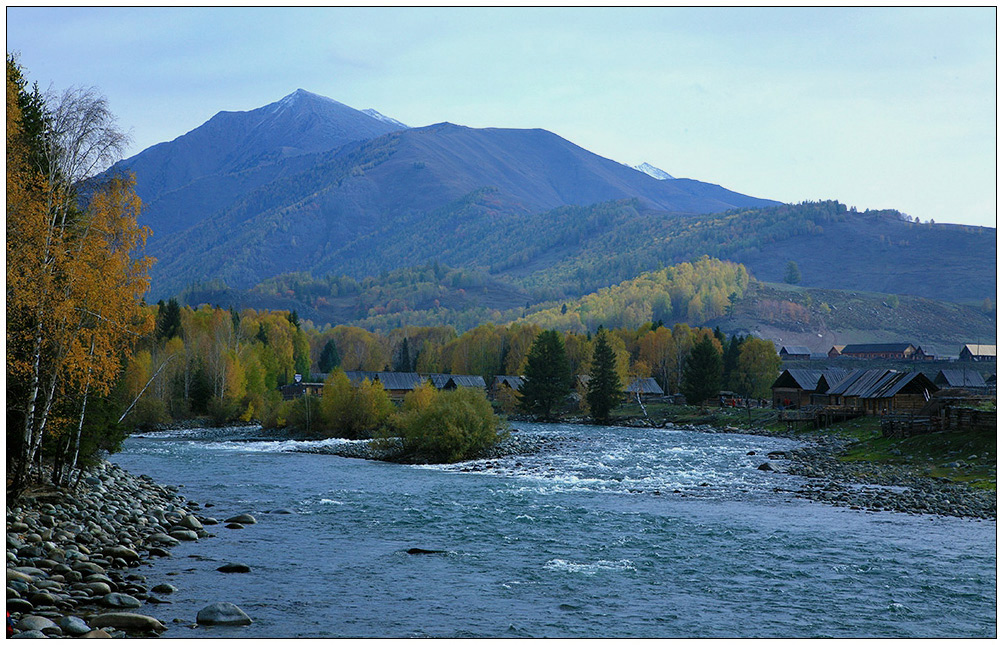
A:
352	412
453	426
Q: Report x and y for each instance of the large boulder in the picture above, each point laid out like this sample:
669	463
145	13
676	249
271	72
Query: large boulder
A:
222	613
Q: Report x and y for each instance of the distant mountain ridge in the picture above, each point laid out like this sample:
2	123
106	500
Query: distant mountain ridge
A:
297	180
309	185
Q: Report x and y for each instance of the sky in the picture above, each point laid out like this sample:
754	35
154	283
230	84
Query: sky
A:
875	107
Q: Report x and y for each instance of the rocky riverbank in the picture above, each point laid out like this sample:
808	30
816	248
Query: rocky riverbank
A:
73	558
868	485
860	485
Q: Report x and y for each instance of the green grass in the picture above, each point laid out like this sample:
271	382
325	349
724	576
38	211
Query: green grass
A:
973	453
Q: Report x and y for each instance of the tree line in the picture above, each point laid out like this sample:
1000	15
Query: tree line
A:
229	365
75	276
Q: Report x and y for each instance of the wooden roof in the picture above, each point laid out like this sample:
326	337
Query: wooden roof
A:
959	378
974	349
514	382
876	348
799	379
646	385
797	350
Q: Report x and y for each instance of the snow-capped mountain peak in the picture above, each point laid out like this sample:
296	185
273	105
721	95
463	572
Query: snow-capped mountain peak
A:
384	118
653	171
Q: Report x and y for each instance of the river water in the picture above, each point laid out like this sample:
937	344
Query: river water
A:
608	532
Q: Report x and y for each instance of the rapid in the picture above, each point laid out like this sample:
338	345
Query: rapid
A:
603	532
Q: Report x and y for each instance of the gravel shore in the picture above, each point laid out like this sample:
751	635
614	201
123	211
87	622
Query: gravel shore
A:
870	486
72	558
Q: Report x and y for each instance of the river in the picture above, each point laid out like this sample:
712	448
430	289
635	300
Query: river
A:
607	532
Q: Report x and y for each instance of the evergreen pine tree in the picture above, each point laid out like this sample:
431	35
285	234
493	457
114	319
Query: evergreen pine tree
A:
792	274
403	362
329	358
604	387
703	369
547	375
168	322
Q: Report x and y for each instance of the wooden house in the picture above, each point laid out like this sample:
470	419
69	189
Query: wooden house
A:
398	384
898	392
453	381
793	388
301	388
835	351
846	392
642	388
829	378
892	351
794	353
978	353
508	382
880	391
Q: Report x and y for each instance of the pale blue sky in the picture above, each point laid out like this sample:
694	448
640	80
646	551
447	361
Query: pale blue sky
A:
875	107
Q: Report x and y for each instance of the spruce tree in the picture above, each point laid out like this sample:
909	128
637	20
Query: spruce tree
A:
604	387
547	378
703	369
329	358
168	321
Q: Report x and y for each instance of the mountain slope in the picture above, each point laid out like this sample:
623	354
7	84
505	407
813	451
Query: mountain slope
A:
303	218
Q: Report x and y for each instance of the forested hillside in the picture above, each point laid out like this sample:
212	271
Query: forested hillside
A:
690	293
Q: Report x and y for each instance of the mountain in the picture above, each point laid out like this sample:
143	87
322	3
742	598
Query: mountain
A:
206	170
309	185
291	185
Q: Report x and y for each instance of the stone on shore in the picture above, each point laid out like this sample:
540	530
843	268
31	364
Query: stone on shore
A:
125	553
73	625
164	588
222	613
243	518
128	621
184	534
190	522
121	601
234	567
39	624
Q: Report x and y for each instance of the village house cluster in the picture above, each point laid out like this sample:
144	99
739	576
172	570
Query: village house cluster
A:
972	352
398	384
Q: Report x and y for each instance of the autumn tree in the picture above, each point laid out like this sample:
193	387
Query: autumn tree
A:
75	270
757	368
547	375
